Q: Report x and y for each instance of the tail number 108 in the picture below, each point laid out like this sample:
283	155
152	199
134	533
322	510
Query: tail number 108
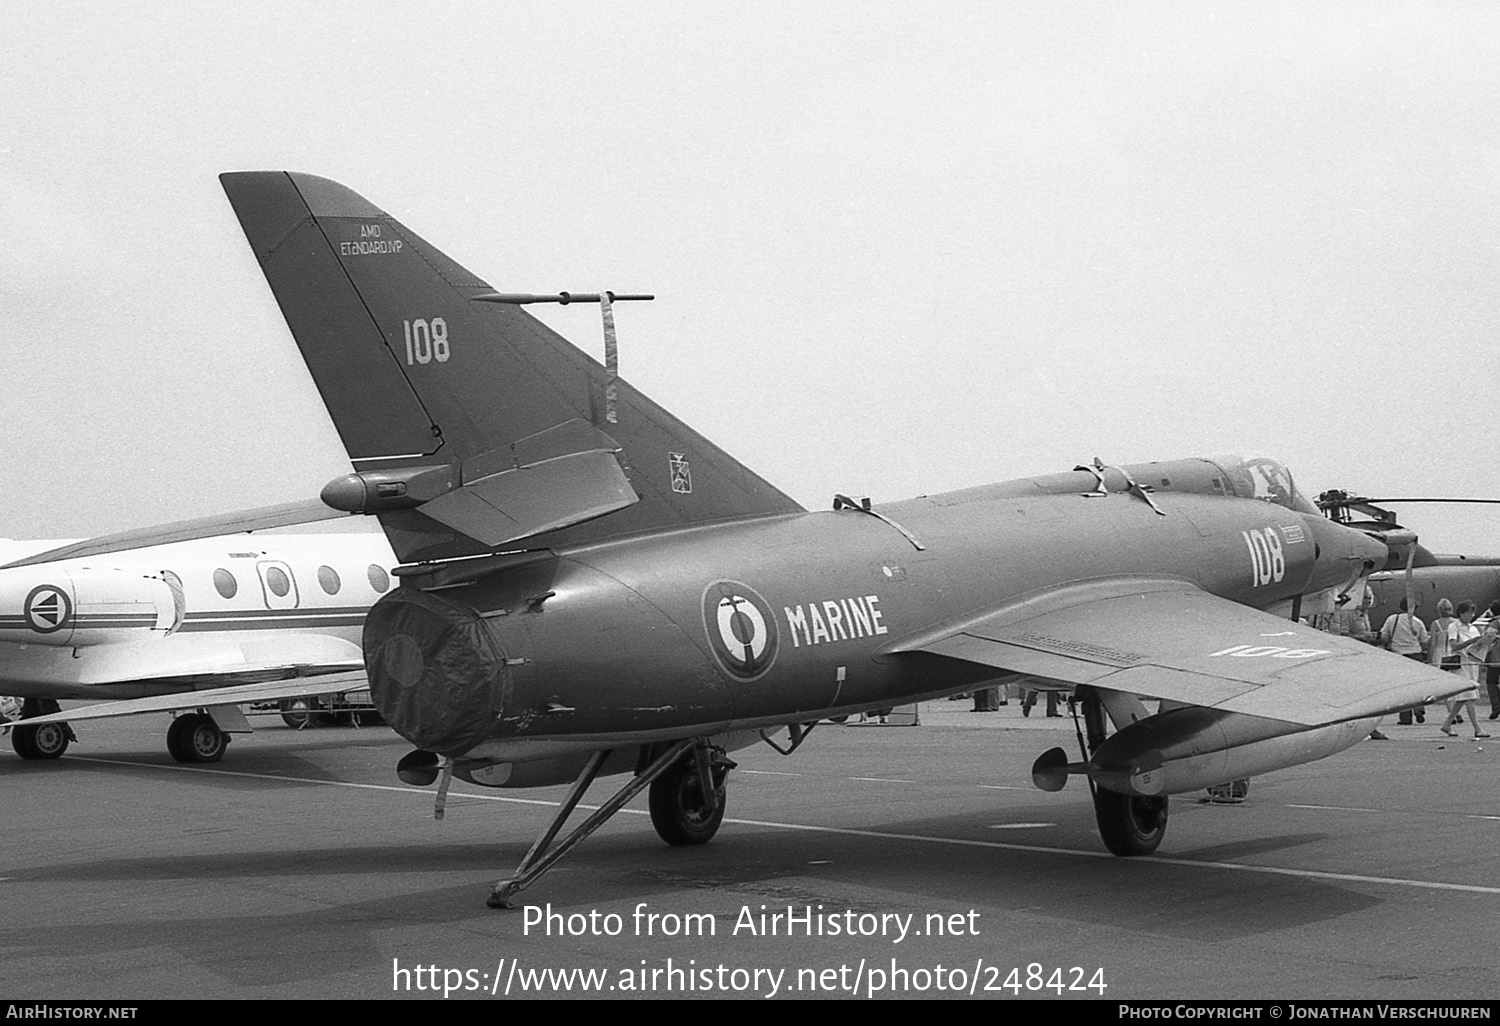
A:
426	341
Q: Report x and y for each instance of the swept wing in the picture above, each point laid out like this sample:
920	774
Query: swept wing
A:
261	691
1166	638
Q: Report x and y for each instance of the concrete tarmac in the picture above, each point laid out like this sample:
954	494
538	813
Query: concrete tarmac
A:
901	861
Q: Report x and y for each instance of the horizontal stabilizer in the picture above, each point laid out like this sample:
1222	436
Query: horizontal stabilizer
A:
566	475
264	518
527	501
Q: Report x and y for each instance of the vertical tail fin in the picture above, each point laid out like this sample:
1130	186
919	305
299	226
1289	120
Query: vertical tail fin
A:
431	385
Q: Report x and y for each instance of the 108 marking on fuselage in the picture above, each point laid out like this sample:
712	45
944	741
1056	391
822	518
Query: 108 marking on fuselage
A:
1267	556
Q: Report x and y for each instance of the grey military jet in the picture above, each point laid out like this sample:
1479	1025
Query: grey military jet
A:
590	587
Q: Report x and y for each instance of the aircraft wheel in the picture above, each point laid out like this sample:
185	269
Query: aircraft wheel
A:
196	738
47	741
174	741
1130	824
296	713
677	808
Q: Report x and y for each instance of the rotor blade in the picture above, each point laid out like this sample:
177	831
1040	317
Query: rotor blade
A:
1480	501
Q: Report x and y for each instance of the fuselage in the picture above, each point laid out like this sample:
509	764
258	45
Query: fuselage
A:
185	616
758	623
1456	579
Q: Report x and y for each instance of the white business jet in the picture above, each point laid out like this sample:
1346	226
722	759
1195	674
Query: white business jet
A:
195	628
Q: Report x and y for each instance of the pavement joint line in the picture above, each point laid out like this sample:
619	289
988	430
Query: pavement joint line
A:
1332	808
880	780
962	842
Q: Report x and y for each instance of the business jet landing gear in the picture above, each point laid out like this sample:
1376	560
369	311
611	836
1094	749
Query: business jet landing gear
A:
687	805
297	713
195	738
47	741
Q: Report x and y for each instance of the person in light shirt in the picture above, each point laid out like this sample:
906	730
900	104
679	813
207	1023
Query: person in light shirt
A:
1405	634
1470	643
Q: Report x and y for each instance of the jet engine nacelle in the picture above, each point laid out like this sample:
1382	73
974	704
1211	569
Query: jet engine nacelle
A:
1193	748
86	606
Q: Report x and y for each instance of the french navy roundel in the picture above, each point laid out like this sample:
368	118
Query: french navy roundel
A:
741	629
47	608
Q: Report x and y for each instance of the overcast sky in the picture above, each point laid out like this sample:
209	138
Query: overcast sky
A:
897	248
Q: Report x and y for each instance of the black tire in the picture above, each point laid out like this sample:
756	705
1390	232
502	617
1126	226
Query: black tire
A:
174	741
196	738
297	713
677	808
45	741
1130	824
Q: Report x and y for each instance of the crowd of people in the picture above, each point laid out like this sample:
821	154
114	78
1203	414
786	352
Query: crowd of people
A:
1455	641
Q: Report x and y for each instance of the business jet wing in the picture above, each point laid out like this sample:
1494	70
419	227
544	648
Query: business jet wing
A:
263	518
1166	638
212	697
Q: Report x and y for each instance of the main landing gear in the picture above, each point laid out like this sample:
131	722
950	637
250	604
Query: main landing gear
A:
1128	824
297	713
682	812
195	738
687	781
45	741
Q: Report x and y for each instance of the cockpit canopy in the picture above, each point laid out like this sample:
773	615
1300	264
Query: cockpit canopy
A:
1260	477
1235	476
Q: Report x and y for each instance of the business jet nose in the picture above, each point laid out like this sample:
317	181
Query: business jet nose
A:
438	673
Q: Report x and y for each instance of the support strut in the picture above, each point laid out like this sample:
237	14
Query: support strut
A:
1086	700
538	860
